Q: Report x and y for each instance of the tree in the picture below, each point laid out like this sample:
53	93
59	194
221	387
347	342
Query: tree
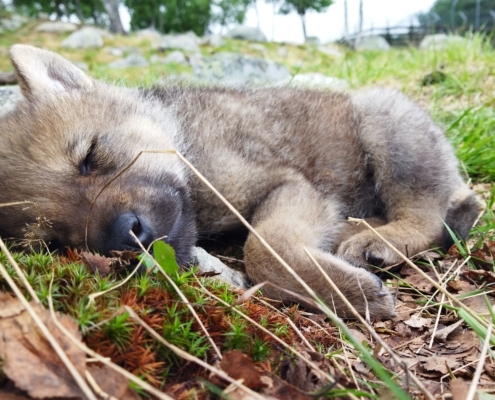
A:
302	6
112	9
457	13
170	15
227	12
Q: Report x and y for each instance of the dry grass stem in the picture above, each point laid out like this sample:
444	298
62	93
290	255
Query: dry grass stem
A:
481	364
188	357
19	272
49	337
437	320
301	336
104	360
93	296
275	337
181	295
423	274
370	329
16	203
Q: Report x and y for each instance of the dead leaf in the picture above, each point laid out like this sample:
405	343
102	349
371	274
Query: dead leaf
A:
237	365
112	383
96	263
438	364
283	390
420	283
30	361
418	322
480	275
459	389
442	334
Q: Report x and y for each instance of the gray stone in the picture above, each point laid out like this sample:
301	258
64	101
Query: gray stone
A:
84	38
132	60
56	27
282	52
176	56
232	69
186	42
103	32
115	51
316	80
371	43
212	40
440	41
149	33
258	47
208	263
43	15
9	97
13	23
331	51
247	33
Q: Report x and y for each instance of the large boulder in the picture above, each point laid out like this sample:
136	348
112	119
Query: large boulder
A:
188	42
9	96
316	80
376	43
87	37
232	69
132	60
440	41
246	33
176	56
14	22
56	27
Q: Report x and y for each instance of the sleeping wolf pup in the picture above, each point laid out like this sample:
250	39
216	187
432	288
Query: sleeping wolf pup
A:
295	163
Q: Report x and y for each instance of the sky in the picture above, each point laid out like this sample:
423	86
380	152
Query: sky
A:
330	25
327	26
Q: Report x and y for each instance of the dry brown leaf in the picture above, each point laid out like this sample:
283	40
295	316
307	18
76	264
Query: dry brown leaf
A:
418	322
112	383
480	275
237	365
29	360
280	389
438	364
419	283
96	263
459	389
442	334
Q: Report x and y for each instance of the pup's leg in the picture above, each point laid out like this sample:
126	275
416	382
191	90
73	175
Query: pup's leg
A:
416	176
296	216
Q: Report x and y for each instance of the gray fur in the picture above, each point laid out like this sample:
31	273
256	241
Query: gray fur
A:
296	163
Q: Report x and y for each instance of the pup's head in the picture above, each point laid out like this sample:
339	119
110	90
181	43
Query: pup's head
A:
68	139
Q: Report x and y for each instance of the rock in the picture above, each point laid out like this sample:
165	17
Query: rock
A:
247	33
8	78
132	60
212	40
84	38
208	263
43	15
371	43
103	32
186	42
176	56
9	97
331	51
149	33
258	47
81	65
56	27
14	22
232	69
115	51
440	41
282	52
316	80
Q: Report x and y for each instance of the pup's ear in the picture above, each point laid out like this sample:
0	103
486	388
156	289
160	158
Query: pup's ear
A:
41	71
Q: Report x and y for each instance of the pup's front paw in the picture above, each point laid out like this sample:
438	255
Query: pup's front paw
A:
367	250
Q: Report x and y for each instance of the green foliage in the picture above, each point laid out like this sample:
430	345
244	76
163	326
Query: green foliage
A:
450	15
303	6
170	15
229	11
164	255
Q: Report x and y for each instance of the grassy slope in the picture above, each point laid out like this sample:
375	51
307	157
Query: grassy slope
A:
462	103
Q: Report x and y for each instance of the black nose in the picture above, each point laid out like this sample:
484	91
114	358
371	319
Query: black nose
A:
121	239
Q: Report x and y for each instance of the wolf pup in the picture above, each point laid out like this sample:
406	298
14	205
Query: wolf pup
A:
295	163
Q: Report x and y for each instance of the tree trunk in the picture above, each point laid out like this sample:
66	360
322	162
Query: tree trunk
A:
112	9
303	20
346	23
360	16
